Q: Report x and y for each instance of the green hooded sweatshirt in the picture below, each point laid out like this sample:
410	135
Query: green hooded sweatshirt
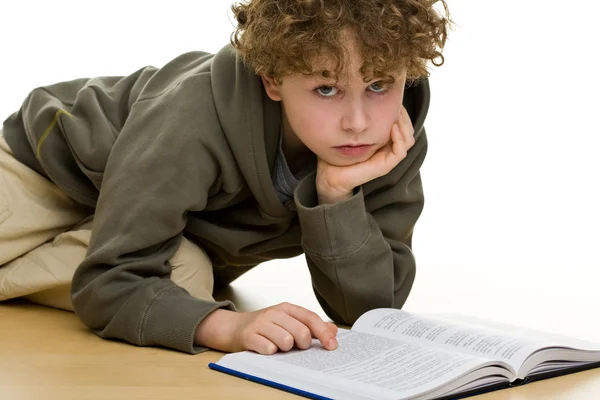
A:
189	149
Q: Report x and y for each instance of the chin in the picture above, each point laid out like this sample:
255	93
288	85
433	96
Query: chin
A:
349	161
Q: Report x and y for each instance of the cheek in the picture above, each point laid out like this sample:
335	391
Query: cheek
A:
383	117
310	122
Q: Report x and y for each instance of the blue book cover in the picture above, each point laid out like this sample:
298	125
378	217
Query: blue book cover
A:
463	395
262	381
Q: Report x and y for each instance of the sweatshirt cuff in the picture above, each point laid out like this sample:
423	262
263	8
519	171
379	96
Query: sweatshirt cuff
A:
172	317
331	230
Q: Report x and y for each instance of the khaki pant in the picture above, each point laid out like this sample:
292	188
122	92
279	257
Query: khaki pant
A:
44	236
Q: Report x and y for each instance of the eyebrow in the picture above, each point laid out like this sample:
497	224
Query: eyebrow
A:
319	74
316	76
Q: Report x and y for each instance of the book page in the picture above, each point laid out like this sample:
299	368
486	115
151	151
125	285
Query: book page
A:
464	338
375	366
555	339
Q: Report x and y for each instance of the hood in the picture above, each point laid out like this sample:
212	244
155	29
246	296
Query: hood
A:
251	122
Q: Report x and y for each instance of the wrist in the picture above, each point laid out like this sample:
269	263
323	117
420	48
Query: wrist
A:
332	198
215	331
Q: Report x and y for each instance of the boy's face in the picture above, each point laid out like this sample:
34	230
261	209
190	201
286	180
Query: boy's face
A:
343	124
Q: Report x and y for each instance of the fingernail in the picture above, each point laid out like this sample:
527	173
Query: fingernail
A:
332	344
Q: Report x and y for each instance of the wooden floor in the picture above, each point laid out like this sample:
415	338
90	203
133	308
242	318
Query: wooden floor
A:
49	354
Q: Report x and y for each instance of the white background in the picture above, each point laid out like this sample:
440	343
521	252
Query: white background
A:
511	225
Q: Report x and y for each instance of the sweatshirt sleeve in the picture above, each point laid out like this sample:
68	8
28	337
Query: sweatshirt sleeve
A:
359	251
158	170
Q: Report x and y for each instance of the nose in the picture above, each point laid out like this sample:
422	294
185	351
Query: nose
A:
355	117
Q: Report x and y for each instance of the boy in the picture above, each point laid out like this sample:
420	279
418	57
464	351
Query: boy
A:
299	137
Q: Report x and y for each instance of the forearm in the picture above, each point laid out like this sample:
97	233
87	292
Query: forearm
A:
373	274
358	250
122	288
144	312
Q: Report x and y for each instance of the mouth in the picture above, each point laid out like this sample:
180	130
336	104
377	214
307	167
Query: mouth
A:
354	150
353	145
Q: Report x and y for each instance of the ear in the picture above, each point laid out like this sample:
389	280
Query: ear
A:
271	87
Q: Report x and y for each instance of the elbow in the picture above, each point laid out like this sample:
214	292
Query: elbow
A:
86	297
404	284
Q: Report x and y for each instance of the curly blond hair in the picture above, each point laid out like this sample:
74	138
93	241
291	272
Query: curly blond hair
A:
279	38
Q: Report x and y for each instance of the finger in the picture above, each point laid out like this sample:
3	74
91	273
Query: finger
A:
407	129
383	161
283	339
332	328
398	148
396	134
261	344
300	332
317	326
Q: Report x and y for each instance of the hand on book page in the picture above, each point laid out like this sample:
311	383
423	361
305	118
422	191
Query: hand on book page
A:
280	327
393	354
366	366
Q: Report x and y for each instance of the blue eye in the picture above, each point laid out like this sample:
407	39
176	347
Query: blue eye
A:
379	88
326	91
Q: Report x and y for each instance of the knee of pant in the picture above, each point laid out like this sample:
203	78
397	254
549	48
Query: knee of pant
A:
80	238
192	270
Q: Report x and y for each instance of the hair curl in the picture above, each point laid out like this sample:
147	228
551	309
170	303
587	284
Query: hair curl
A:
279	38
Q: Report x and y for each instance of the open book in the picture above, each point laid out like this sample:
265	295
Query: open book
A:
393	354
